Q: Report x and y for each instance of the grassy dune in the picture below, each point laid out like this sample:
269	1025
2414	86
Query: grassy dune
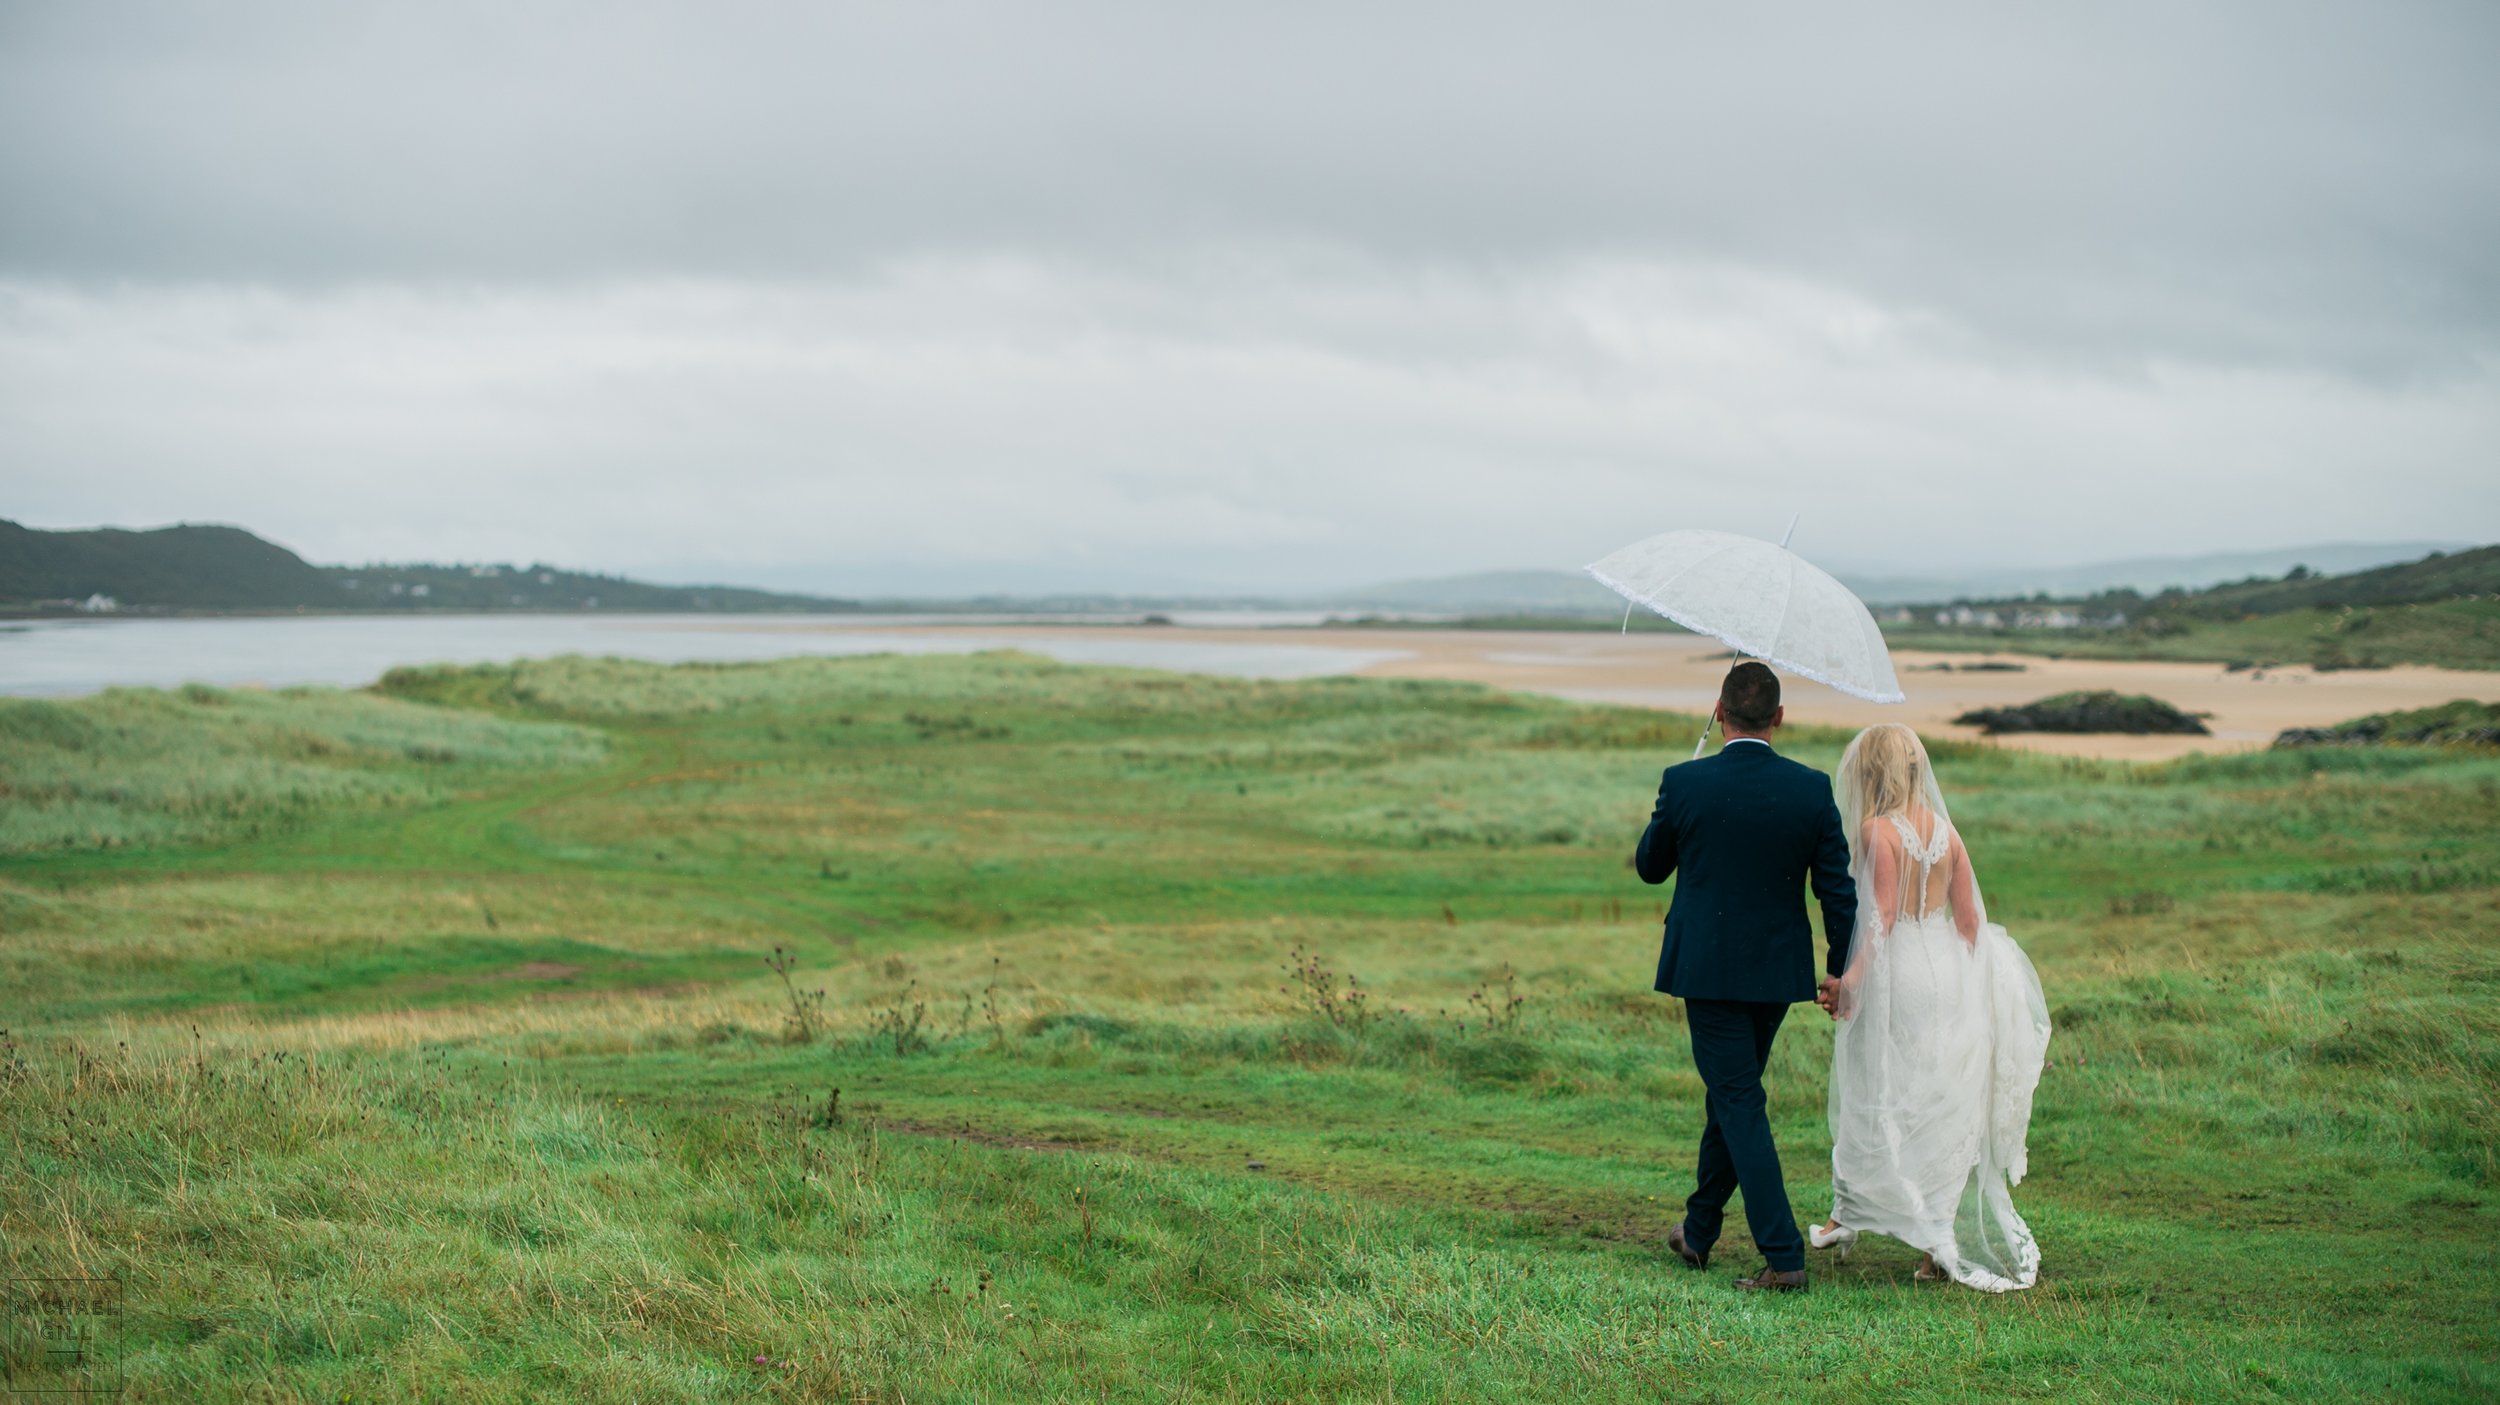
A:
420	1045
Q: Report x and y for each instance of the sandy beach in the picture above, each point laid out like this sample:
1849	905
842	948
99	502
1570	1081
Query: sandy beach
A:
1681	672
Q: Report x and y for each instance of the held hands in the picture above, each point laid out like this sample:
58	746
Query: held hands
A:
1827	996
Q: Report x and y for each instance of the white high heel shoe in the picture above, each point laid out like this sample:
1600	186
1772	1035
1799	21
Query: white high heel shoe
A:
1840	1237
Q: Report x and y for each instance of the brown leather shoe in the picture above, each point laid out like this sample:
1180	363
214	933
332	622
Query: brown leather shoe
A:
1684	1251
1772	1280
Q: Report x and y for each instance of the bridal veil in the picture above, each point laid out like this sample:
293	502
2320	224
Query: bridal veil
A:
1942	1031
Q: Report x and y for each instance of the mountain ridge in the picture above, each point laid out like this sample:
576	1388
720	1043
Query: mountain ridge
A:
1553	591
219	568
215	568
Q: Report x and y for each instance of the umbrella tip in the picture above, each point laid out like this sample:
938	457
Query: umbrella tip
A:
1792	529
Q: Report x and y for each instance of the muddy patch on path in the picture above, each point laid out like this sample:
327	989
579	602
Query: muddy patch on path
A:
544	971
980	1137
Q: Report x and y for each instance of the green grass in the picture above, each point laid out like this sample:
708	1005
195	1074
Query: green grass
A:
384	1076
139	766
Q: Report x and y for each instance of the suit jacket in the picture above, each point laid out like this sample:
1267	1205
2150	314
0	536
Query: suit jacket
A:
1744	829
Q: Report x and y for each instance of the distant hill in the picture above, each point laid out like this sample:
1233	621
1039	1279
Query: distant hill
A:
217	568
2443	610
186	567
1485	592
2144	574
1572	593
2438	576
542	587
212	568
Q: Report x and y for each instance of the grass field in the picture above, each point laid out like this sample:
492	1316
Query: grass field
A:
420	1045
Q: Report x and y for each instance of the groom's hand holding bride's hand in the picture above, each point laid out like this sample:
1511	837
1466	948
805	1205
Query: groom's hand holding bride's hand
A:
1827	995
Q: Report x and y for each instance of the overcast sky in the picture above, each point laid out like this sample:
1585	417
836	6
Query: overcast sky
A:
1263	295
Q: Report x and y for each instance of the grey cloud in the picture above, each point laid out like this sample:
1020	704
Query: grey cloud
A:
2113	186
1248	423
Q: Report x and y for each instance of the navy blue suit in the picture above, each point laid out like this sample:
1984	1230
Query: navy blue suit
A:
1744	830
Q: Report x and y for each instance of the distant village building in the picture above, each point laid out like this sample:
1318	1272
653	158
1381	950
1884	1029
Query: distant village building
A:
2030	617
99	604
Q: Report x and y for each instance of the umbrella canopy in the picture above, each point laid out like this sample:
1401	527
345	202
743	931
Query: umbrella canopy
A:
1759	599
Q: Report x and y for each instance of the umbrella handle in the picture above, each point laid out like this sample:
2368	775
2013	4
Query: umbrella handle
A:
1702	740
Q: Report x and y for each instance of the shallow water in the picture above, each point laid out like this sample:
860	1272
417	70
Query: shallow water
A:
58	658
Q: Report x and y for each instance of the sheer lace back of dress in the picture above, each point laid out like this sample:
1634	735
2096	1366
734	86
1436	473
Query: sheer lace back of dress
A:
1932	891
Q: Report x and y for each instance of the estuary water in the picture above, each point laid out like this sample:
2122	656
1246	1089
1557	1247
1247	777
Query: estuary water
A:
63	658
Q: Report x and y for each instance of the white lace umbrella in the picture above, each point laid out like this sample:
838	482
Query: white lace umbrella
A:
1760	600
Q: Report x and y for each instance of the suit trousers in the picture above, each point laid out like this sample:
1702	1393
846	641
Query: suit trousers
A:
1731	1044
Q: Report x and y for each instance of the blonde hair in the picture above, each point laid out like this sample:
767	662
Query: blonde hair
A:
1888	760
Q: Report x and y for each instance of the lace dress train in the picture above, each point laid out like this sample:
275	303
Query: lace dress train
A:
1933	1068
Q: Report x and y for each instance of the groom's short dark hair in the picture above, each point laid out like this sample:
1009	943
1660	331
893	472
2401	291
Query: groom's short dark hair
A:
1750	696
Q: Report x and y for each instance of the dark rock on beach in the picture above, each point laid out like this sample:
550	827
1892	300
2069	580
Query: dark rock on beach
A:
2088	712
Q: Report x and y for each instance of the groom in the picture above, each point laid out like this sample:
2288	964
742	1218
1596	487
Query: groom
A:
1745	828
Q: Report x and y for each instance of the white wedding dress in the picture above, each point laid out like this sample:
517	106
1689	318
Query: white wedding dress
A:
1939	1046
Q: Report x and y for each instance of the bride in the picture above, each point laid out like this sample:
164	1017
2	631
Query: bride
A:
1941	1035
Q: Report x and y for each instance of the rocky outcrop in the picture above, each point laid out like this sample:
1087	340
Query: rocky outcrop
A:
2134	714
2460	723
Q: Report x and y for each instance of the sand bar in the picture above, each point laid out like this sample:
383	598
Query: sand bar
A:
1679	672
